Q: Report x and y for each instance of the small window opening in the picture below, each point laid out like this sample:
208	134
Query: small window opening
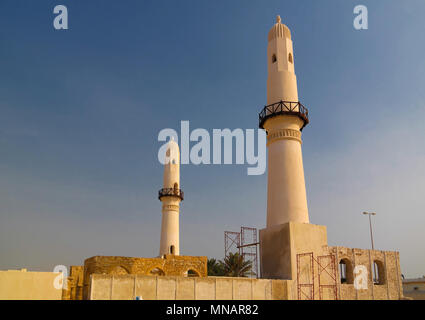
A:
346	271
343	271
274	58
378	272
172	250
290	58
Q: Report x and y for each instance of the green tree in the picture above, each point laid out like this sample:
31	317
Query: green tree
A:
235	266
215	268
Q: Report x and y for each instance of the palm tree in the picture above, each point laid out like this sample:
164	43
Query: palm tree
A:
235	265
215	268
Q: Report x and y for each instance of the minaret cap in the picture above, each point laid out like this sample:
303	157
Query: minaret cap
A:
279	30
172	154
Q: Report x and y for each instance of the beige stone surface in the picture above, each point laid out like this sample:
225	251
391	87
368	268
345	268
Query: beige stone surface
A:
224	288
166	288
75	281
169	265
205	289
280	290
123	287
28	285
388	287
280	244
102	287
185	288
275	252
261	289
146	287
242	289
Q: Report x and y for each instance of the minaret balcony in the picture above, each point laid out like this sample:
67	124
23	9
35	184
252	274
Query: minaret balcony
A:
171	192
284	108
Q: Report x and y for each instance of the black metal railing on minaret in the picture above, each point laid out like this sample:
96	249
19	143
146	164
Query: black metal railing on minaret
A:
284	108
171	192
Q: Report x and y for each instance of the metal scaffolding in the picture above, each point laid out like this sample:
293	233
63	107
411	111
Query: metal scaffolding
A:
245	243
232	241
326	277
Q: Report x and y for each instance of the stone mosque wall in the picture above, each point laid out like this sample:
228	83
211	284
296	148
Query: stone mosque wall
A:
385	285
170	265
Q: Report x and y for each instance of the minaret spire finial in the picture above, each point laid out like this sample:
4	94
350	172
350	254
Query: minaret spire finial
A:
278	19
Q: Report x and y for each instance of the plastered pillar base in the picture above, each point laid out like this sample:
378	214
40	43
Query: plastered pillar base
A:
280	244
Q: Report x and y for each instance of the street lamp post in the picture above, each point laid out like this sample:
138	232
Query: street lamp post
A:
371	237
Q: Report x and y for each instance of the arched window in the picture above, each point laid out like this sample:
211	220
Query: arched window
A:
290	58
378	272
274	58
156	272
118	270
346	271
191	273
172	249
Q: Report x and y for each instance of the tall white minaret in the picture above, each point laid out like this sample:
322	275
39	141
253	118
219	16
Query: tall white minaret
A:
283	118
171	196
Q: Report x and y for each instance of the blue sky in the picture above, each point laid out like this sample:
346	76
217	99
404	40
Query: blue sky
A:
81	109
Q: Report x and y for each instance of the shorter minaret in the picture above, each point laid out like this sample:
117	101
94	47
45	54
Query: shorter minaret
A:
170	196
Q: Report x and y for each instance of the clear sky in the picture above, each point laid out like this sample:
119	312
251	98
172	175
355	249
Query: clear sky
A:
81	109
